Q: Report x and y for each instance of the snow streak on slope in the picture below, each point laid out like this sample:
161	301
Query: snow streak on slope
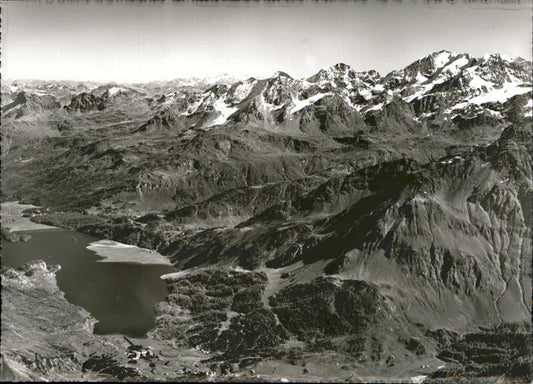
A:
299	104
224	112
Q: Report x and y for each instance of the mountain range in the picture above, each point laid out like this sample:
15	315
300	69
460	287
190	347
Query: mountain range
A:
348	216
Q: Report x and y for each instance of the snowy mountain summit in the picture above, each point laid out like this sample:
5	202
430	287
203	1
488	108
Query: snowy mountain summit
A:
440	87
443	88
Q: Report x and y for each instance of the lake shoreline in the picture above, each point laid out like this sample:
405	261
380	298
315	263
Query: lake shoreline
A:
120	295
107	250
13	220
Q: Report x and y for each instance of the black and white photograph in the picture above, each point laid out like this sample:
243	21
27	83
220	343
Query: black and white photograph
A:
266	191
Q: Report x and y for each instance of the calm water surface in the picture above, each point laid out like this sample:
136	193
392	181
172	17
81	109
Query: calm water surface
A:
120	296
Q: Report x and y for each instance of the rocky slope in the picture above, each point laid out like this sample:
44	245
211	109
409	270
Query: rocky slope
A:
348	218
47	346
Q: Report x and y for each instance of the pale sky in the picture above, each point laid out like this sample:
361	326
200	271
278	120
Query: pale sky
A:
124	42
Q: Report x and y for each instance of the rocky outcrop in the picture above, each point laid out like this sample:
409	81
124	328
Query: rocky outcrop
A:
41	332
85	102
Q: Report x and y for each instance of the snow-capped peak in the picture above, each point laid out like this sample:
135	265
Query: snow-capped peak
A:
497	56
282	74
341	67
114	90
441	58
331	72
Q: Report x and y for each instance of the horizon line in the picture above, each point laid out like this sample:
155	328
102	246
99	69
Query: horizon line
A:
259	77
